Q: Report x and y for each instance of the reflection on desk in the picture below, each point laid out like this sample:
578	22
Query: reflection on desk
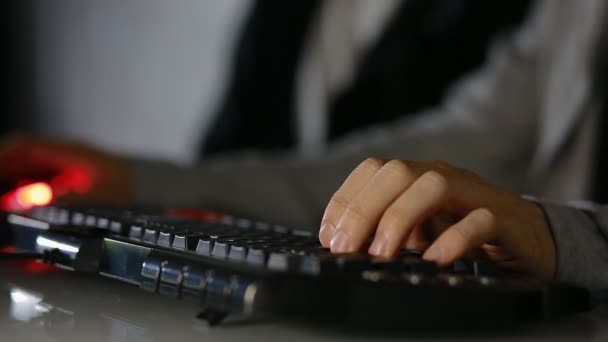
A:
53	305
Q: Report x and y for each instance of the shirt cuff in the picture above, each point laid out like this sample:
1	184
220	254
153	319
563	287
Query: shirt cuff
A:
582	250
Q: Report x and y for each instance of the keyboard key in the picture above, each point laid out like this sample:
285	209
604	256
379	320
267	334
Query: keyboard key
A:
281	262
204	247
414	278
353	262
486	281
256	257
451	279
318	265
262	226
243	223
302	233
116	227
220	250
150	273
237	253
462	267
194	284
421	267
90	221
179	242
307	263
264	246
185	241
62	217
171	278
378	276
280	229
165	239
405	264
78	219
135	232
103	223
150	236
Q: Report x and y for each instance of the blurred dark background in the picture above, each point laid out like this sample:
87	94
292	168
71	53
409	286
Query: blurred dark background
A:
146	77
18	61
138	76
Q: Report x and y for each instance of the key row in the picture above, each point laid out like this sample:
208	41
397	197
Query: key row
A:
121	222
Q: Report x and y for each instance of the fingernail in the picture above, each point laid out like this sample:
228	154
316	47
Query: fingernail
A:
379	246
340	242
433	254
326	232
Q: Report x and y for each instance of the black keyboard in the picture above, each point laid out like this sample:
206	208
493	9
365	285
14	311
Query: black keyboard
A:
234	265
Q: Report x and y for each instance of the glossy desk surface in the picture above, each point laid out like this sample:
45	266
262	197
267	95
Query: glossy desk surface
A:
46	304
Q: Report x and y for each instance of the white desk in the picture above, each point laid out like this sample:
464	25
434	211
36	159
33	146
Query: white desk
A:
62	306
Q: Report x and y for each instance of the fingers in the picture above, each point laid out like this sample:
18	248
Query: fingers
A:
457	213
396	200
363	212
411	208
340	200
475	229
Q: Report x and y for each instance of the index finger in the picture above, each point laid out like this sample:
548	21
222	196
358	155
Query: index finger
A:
353	184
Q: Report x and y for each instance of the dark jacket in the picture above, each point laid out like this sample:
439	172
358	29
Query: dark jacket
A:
426	47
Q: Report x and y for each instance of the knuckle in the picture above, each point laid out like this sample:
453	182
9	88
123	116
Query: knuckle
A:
372	163
434	180
399	168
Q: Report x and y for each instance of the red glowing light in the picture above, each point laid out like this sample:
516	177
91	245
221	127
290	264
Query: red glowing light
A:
77	179
27	194
36	194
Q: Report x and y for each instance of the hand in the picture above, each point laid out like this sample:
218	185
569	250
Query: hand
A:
76	171
446	211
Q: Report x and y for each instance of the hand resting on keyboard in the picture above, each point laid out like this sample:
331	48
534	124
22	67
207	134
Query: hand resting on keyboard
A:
403	202
444	210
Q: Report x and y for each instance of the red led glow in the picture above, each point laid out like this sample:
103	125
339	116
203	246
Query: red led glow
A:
36	194
27	196
77	179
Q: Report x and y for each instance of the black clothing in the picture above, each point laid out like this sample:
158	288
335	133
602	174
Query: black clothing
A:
426	47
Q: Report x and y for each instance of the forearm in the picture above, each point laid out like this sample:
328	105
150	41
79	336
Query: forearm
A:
487	125
295	191
252	187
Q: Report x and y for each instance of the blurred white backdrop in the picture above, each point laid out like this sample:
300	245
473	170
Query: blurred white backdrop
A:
136	76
